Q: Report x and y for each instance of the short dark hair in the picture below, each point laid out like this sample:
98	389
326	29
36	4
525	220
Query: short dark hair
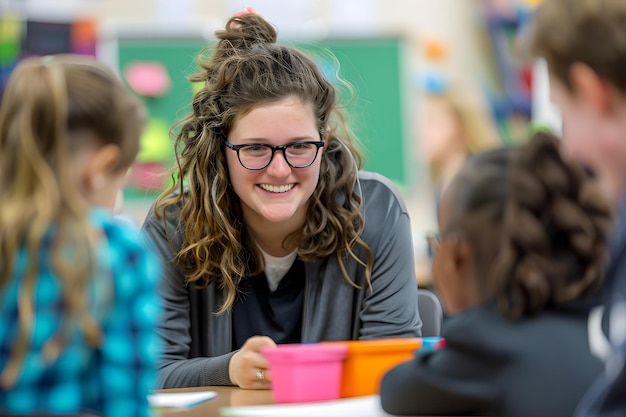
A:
592	32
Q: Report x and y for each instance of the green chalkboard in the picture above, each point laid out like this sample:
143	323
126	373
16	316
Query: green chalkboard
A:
374	67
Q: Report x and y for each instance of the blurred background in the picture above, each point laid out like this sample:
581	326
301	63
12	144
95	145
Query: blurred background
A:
434	80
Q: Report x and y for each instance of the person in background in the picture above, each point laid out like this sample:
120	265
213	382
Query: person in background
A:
518	268
583	43
272	234
456	123
78	300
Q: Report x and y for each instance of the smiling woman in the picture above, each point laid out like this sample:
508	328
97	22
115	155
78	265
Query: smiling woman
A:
273	231
279	192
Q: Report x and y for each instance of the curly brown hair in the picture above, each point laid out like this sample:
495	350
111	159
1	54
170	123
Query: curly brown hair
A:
246	69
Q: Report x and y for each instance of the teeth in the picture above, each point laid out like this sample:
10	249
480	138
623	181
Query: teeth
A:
277	188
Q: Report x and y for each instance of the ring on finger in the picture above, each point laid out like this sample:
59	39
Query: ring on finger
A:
260	375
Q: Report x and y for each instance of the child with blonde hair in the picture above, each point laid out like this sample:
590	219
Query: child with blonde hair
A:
77	289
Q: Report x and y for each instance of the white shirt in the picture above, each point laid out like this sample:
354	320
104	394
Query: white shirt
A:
276	267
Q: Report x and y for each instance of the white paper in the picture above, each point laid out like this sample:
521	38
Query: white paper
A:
368	406
180	399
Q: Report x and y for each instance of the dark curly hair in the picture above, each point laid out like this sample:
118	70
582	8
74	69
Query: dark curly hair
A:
549	225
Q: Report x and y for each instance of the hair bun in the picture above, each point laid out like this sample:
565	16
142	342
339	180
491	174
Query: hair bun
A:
243	31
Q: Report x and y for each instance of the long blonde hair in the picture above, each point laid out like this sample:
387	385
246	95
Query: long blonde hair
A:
53	107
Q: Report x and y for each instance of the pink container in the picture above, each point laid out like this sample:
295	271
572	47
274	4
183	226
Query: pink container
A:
305	372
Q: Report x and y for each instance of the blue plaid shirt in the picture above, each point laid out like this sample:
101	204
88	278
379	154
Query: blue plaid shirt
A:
115	378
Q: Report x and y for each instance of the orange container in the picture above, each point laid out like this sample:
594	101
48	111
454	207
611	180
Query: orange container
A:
368	360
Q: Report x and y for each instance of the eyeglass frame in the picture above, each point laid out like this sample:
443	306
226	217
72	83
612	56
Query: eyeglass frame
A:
433	241
274	148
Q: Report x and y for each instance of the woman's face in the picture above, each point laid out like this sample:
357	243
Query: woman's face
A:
277	194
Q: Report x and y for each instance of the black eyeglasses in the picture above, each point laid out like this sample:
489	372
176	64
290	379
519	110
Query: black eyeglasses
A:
256	156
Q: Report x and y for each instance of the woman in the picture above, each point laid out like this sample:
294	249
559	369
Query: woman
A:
272	235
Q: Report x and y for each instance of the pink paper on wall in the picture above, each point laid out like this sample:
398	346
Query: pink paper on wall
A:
148	78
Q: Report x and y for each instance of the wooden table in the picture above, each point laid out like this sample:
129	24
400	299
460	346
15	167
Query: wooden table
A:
226	396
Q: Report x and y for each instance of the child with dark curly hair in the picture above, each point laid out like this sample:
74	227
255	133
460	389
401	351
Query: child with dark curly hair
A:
518	266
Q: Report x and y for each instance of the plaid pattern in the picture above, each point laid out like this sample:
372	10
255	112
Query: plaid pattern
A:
113	380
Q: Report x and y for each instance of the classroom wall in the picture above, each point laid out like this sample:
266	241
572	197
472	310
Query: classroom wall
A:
456	24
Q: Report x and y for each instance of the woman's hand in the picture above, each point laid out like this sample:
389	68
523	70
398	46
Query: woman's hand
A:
248	368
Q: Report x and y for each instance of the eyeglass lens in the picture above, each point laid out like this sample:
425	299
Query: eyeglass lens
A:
259	156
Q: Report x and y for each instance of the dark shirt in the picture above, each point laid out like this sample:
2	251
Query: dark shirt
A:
198	342
490	365
615	279
278	314
607	396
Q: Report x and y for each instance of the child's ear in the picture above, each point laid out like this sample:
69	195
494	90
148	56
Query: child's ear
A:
588	85
458	270
100	166
461	256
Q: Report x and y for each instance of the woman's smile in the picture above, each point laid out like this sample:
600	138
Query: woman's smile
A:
277	189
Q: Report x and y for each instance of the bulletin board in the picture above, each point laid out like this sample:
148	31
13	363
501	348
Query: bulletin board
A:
374	67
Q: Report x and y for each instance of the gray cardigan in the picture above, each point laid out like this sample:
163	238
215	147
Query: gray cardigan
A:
197	342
